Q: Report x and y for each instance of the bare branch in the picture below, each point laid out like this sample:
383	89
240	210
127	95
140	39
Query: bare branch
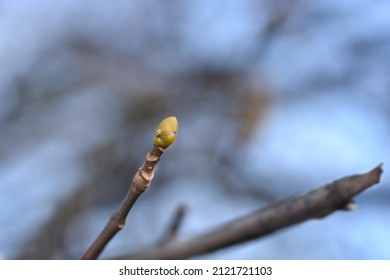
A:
318	203
175	225
165	135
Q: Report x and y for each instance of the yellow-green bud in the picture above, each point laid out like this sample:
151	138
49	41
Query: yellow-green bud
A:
165	133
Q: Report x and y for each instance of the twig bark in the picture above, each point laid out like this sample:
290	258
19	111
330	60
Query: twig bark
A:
164	136
318	203
174	226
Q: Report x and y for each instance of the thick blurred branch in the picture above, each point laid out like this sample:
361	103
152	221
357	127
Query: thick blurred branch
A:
318	203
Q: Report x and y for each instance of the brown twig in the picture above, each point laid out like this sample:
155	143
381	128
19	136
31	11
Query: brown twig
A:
117	221
318	203
174	226
164	136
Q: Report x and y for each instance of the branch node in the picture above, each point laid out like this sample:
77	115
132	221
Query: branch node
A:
152	158
350	206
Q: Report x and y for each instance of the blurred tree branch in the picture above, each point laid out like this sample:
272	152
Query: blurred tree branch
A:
316	204
174	227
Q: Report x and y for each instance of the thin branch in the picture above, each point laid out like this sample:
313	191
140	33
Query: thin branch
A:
165	135
175	225
318	203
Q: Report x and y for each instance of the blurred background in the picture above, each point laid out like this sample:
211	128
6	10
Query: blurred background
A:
273	98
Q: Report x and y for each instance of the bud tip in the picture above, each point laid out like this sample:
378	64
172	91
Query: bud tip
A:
165	132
